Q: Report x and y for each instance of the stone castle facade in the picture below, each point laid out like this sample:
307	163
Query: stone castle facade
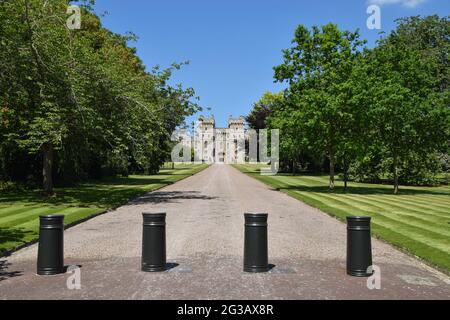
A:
219	145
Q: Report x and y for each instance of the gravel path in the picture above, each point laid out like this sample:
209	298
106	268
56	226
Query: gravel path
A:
205	238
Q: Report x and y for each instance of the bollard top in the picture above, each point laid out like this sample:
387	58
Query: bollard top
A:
358	222
358	218
258	214
51	222
56	217
255	219
154	214
154	218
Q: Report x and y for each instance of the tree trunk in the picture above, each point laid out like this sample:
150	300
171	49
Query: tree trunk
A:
47	168
346	175
331	173
258	146
395	169
345	181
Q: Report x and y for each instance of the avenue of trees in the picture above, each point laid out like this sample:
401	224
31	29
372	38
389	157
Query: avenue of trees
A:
79	104
368	114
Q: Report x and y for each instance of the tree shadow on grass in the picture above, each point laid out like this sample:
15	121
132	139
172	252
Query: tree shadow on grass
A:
108	194
131	181
170	197
13	235
108	197
360	190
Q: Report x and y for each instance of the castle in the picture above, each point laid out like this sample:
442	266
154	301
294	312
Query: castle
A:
219	145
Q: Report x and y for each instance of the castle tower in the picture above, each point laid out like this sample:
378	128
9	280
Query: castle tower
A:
220	145
236	140
206	138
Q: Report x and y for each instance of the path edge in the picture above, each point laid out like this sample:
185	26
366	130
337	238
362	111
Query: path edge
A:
77	222
425	263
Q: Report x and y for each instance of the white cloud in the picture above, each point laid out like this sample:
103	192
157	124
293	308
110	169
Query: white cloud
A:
405	3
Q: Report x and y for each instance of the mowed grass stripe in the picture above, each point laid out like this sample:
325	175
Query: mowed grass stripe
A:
348	209
36	211
29	215
424	204
34	221
405	206
421	250
428	218
357	210
306	182
389	207
442	243
418	232
354	209
442	200
414	220
7	208
376	198
412	203
441	193
12	210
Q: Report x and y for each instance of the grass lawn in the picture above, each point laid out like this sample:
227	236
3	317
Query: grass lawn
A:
20	211
416	220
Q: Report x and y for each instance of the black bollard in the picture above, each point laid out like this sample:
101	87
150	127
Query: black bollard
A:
154	242
255	243
359	246
51	245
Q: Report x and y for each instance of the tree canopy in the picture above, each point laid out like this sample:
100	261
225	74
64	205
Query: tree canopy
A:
370	113
80	101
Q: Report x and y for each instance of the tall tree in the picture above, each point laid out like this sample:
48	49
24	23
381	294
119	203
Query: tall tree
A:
82	99
318	68
404	83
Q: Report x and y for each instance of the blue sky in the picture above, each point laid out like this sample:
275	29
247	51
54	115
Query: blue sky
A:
232	45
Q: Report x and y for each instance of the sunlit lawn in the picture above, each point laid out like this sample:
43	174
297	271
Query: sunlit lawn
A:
417	220
20	211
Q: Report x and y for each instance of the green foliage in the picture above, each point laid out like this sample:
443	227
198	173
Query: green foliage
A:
371	113
319	111
263	108
81	101
407	99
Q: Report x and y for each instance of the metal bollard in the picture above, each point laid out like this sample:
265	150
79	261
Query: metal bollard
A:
359	246
255	243
51	245
154	242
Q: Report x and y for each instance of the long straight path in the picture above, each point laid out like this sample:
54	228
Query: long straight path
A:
205	229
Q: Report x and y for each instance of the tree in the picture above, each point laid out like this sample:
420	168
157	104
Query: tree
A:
263	108
82	99
318	68
402	83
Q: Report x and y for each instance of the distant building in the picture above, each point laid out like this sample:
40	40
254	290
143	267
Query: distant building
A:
220	145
